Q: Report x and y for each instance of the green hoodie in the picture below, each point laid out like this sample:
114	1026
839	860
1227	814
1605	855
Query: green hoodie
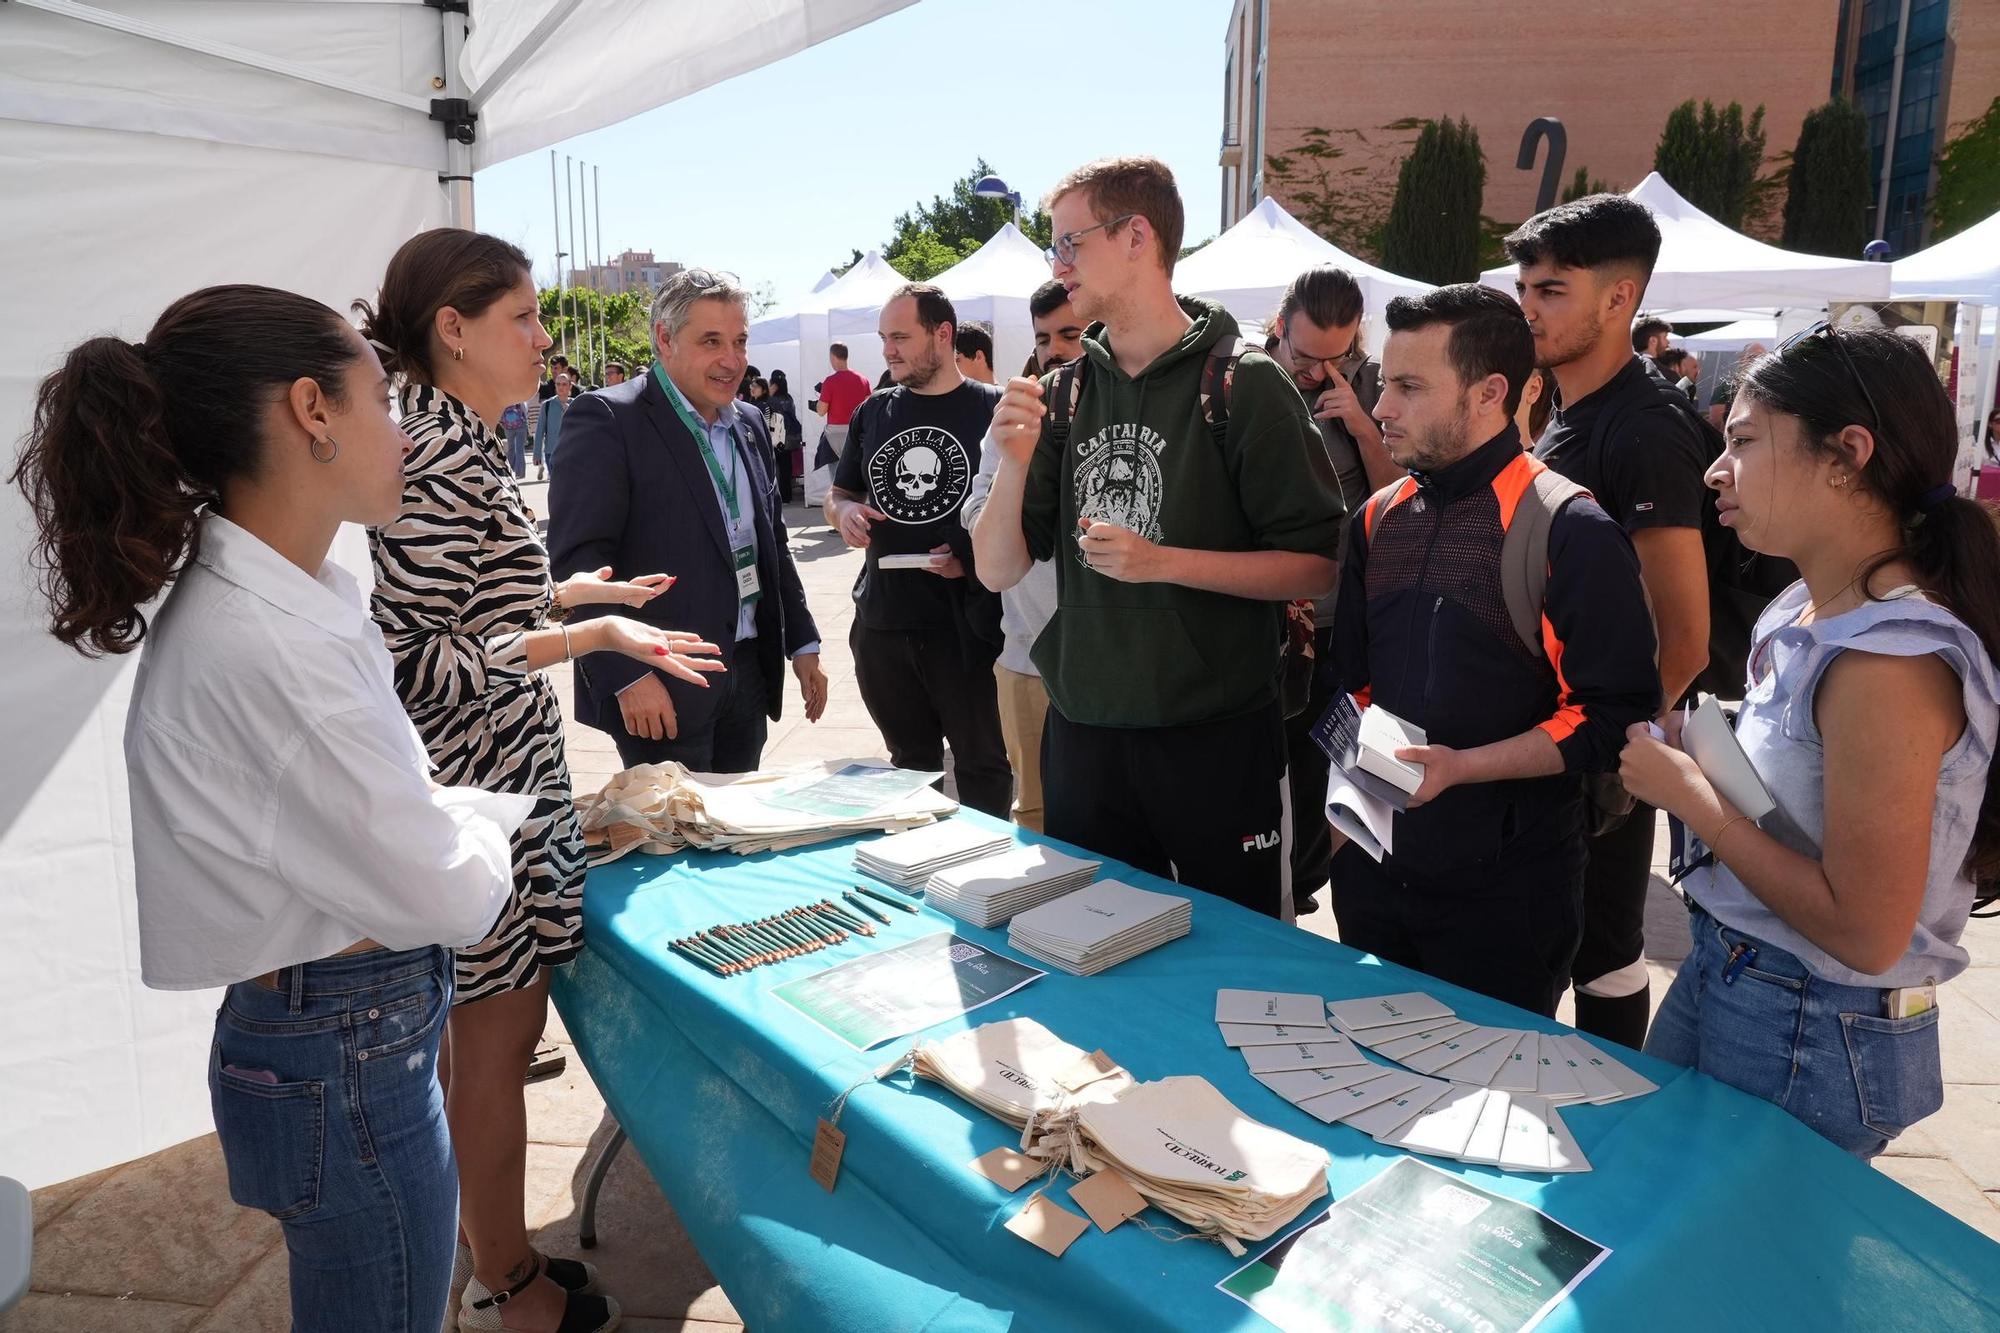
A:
1142	455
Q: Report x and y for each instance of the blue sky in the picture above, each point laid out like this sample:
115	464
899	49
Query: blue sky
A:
779	173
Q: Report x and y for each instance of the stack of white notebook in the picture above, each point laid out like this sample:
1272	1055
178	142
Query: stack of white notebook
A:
1099	926
1478	1094
993	888
909	859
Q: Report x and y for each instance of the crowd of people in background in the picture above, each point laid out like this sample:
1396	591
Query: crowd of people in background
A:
1124	589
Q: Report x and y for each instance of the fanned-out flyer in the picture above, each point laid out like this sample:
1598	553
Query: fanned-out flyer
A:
1417	1248
905	989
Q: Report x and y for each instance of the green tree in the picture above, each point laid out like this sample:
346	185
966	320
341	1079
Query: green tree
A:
1968	176
1826	183
1581	184
1713	158
575	316
1344	202
1433	231
931	237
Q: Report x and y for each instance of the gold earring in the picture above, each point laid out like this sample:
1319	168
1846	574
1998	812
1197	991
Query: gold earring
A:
333	449
1838	482
458	354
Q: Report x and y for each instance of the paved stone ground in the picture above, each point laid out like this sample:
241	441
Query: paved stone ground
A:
155	1246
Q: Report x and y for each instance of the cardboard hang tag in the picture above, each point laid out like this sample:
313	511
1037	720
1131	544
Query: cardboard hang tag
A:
1008	1169
828	1145
1108	1198
1047	1225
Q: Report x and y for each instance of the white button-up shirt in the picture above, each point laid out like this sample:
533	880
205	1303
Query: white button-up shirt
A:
280	808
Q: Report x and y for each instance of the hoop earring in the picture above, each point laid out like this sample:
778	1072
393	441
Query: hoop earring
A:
458	354
333	446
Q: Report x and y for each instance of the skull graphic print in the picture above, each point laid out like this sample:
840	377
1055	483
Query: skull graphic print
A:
920	475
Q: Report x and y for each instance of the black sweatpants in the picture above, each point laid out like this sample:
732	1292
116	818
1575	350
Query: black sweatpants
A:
1510	933
1305	773
922	692
1198	804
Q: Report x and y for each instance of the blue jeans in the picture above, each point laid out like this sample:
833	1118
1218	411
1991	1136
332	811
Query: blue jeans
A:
517	450
1823	1052
326	1101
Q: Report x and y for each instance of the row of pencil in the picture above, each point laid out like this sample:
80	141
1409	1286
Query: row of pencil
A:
735	947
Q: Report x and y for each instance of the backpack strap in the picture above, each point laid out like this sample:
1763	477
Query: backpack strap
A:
1218	377
1063	395
1531	495
1383	501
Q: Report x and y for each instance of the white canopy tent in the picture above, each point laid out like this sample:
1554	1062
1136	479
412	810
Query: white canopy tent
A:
1248	268
1734	337
991	285
157	149
795	340
1965	267
1704	263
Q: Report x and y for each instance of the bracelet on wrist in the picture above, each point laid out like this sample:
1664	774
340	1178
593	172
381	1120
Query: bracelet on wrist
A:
569	652
557	611
1715	843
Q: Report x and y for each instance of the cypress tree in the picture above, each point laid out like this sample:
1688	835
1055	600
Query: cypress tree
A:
1712	157
1433	228
1827	196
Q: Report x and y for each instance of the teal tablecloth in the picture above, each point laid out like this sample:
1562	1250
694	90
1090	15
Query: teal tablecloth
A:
1721	1211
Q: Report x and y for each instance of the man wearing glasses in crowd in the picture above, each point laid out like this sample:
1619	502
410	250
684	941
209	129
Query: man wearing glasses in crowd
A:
1318	339
1175	545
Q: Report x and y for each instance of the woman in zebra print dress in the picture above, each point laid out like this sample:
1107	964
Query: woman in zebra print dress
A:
466	606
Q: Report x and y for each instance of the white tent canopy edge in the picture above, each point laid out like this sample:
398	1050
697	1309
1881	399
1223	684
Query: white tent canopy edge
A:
167	148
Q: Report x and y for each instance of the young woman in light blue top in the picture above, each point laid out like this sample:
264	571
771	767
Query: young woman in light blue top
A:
1871	712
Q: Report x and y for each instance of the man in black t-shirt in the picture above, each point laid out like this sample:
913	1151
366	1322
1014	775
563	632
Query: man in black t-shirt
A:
925	632
1584	267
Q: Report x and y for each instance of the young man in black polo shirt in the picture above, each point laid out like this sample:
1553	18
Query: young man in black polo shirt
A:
1484	886
925	638
1584	267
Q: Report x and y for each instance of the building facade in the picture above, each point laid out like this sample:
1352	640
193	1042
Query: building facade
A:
1610	73
633	271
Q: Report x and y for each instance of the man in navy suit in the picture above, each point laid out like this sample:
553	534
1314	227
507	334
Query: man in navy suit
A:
668	471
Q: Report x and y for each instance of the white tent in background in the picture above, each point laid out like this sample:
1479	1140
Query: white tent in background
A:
1965	267
1734	337
169	147
990	285
826	280
1248	268
794	339
1704	263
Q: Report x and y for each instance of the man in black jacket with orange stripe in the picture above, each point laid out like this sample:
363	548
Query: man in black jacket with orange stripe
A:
1484	887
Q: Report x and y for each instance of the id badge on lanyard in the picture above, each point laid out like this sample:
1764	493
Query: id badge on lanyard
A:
748	589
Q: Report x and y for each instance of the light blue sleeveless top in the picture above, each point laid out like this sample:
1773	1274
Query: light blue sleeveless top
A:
1777	731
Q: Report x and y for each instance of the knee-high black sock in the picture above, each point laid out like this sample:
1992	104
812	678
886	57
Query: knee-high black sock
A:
1619	1018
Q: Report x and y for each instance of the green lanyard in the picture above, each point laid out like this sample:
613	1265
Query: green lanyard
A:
724	482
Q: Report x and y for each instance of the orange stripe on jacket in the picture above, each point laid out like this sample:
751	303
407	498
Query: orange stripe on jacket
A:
1568	716
1398	491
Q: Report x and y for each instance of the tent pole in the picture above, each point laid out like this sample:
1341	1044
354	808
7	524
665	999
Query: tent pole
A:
457	177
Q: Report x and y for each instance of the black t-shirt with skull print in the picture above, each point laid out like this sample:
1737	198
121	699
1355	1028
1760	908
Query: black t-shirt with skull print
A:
914	456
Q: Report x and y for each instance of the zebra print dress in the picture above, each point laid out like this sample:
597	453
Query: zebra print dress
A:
460	577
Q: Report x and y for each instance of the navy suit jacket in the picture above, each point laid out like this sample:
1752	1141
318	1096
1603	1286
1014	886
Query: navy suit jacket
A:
630	491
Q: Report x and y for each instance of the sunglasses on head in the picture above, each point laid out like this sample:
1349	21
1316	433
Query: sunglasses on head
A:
1825	330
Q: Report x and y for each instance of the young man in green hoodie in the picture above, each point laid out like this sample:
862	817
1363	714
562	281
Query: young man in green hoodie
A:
1175	553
